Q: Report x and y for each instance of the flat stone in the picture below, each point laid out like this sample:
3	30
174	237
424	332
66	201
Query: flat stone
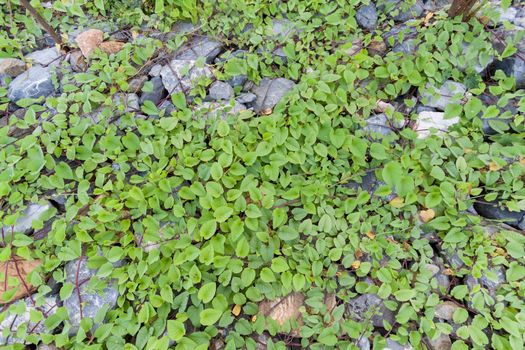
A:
366	17
46	347
495	212
394	345
238	80
199	47
369	306
363	343
369	183
92	300
16	318
156	94
130	102
30	215
220	91
270	92
49	56
440	98
492	278
381	124
33	83
442	342
427	121
513	67
182	75
445	310
221	109
415	11
155	70
282	28
12	67
135	84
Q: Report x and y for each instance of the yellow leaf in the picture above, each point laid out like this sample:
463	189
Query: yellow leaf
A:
427	215
494	166
236	311
355	265
397	202
370	235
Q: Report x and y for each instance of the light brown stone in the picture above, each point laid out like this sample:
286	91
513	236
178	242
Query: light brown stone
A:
12	66
89	40
110	47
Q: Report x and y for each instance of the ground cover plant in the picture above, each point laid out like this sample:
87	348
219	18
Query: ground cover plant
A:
182	174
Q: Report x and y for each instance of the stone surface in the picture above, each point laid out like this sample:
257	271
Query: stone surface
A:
394	345
404	14
366	17
513	67
49	56
492	278
270	92
111	47
77	62
18	315
33	83
89	40
442	342
246	98
363	343
369	183
381	124
369	307
130	102
220	109
46	347
156	94
220	91
93	300
135	84
449	92
238	80
24	223
12	67
445	310
199	47
155	70
282	28
494	211
181	75
427	121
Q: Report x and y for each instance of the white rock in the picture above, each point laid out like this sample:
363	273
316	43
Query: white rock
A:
426	121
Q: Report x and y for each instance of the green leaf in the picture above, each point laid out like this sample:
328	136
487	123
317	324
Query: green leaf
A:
405	294
176	329
209	317
207	292
221	214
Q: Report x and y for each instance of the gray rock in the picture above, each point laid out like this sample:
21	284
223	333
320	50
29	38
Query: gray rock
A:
135	84
24	224
270	92
449	92
129	101
363	343
220	91
495	212
167	107
220	109
246	98
4	81
182	75
238	80
155	70
513	67
369	183
491	126
428	121
442	342
282	28
392	38
156	94
46	347
199	47
369	306
366	17
381	124
93	300
445	310
12	67
49	56
231	54
435	5
404	15
492	278
476	59
394	345
33	83
14	320
407	46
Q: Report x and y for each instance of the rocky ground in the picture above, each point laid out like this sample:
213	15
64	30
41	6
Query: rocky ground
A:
70	291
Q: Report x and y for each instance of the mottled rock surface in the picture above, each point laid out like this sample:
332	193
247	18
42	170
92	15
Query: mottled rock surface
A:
35	82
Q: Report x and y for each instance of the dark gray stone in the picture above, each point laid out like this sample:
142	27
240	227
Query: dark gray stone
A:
220	91
440	98
369	183
270	92
182	75
33	83
381	125
494	211
238	80
157	94
92	300
394	34
246	98
492	278
513	67
14	320
136	84
415	11
369	307
199	47
366	17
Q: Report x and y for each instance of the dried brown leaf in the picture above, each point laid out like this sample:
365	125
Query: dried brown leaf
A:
14	275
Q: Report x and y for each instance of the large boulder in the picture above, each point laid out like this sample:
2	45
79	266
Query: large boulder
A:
35	82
